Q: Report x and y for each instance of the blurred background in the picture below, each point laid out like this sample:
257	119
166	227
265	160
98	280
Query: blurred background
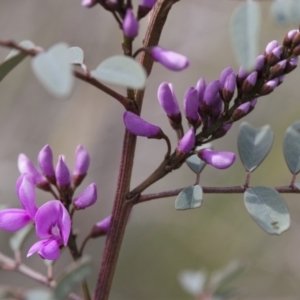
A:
159	241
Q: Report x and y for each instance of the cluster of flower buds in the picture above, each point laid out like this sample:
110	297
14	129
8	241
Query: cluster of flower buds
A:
52	220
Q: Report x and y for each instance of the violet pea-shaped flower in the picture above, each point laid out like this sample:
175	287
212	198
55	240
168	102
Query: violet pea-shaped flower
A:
53	227
45	161
62	172
225	73
209	98
187	142
169	59
13	219
101	228
229	87
191	105
218	159
82	163
137	126
87	198
130	25
89	3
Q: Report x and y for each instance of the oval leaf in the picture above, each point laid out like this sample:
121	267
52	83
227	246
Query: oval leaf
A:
17	240
193	281
254	145
13	59
291	148
74	275
54	71
121	70
244	31
76	55
190	197
194	162
268	209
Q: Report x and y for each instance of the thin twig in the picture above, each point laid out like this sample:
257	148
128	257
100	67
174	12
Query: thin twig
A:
9	264
292	184
87	238
169	147
247	181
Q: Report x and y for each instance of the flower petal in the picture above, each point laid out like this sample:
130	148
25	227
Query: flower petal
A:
13	219
87	198
218	159
27	197
47	249
52	214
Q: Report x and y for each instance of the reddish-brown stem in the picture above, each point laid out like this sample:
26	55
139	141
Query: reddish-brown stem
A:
212	190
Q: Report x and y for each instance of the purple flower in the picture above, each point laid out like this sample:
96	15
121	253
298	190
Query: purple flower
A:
62	172
241	111
101	228
148	3
249	82
82	161
167	99
187	142
45	161
200	87
137	126
170	59
130	24
271	46
222	131
87	198
229	87
291	65
209	98
268	87
191	105
53	227
89	3
13	219
218	159
25	166
225	73
259	62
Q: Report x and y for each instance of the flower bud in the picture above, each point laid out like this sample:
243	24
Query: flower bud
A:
289	37
268	87
137	126
274	56
167	99
87	198
225	73
89	3
296	51
82	163
218	159
241	111
130	25
242	74
101	228
229	87
145	7
187	142
209	97
280	79
249	82
252	104
222	131
291	65
200	88
278	69
259	62
62	172
296	39
191	105
45	161
217	108
271	46
169	59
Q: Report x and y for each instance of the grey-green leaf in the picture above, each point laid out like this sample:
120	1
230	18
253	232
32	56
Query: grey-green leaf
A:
291	148
268	209
244	31
121	70
76	55
286	11
190	197
54	70
254	145
73	275
17	240
38	294
13	59
194	162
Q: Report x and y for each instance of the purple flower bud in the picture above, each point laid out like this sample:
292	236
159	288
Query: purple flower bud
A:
271	46
222	131
25	166
229	87
210	94
277	51
82	161
148	3
278	69
280	79
259	62
275	55
137	126
200	87
101	228
224	75
296	39
291	65
217	108
253	102
45	161
87	198
130	25
145	7
62	172
268	87
241	111
249	82
294	61
289	37
242	74
171	60
89	3
187	142
292	33
218	159
191	105
167	99
296	51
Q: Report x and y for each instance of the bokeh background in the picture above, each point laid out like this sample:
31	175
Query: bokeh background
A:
159	241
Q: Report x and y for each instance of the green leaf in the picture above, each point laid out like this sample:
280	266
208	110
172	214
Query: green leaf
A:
38	294
268	209
291	148
254	145
244	31
190	197
76	55
121	70
13	59
73	275
17	240
194	162
193	281
54	71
